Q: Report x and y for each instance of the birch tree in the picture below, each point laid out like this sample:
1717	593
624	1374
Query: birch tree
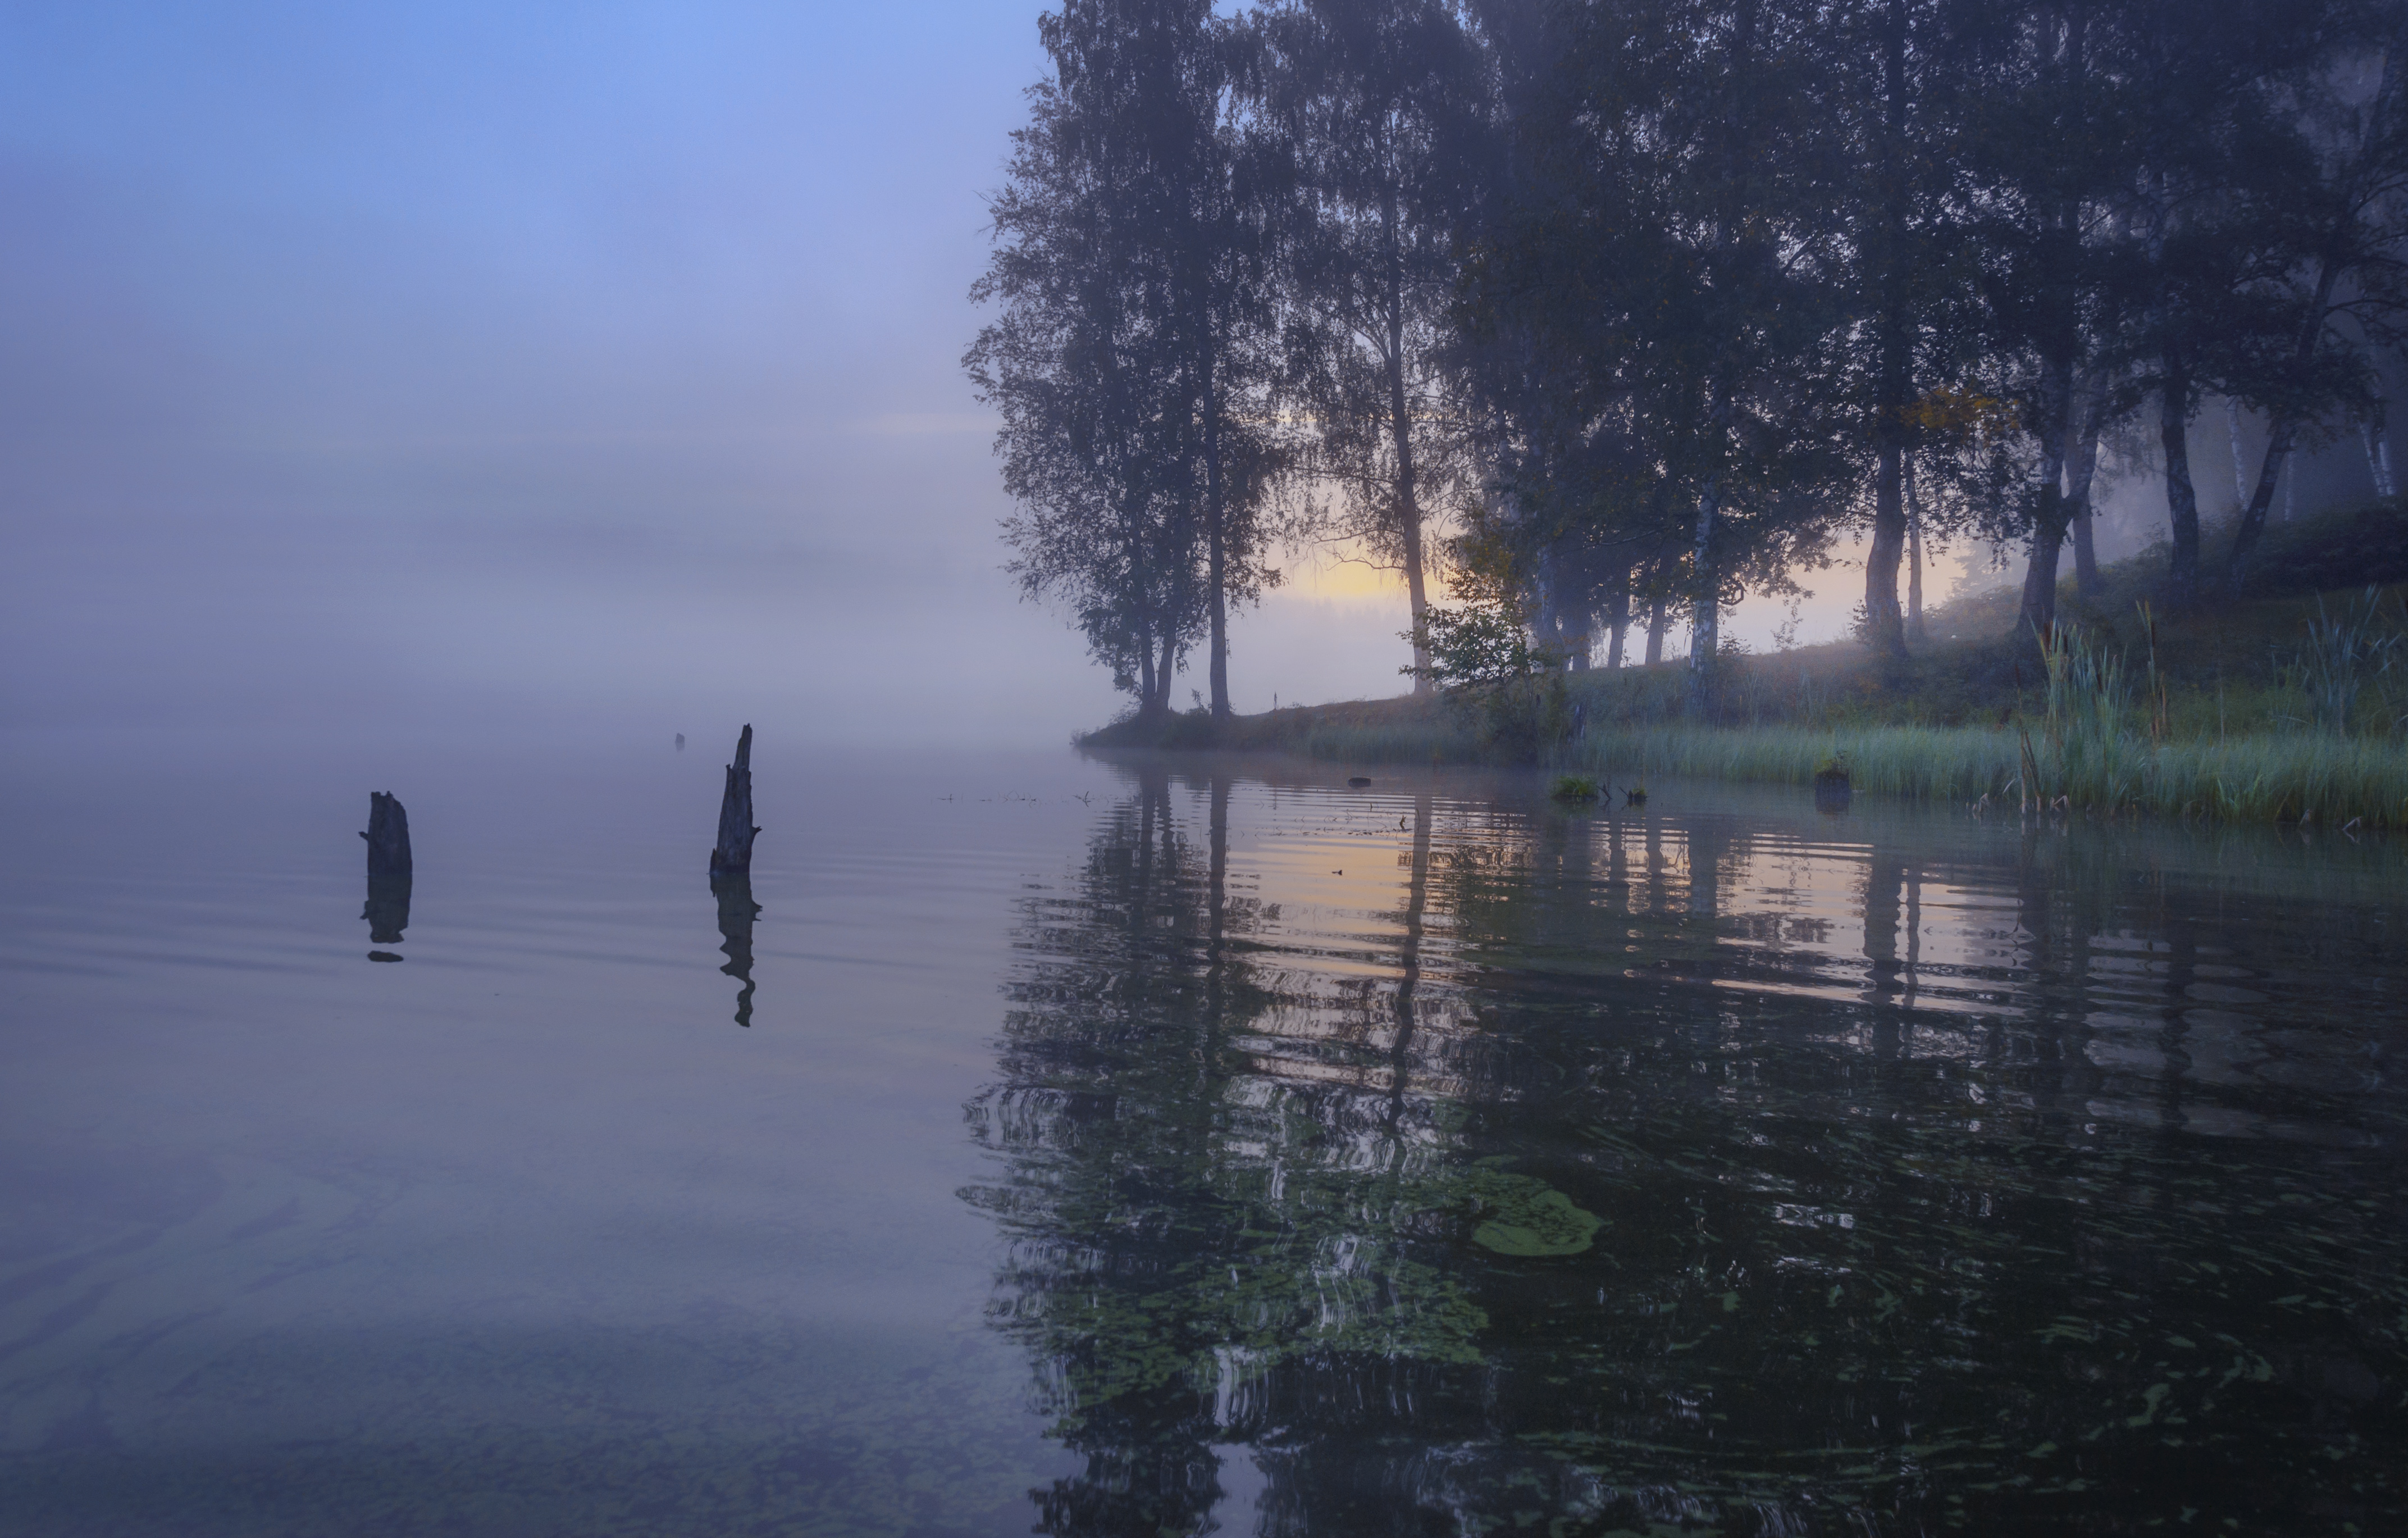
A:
1376	101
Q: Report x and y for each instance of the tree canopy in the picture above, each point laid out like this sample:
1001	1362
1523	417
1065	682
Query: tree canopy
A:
1649	302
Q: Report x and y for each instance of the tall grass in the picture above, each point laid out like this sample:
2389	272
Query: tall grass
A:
2344	653
2254	778
1916	763
2109	733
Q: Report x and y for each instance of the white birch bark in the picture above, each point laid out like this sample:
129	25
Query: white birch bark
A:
2378	453
2239	470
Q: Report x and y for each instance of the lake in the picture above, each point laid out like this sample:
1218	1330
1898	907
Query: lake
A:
1178	1145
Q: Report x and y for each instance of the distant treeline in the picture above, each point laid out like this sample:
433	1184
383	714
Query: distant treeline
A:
1619	311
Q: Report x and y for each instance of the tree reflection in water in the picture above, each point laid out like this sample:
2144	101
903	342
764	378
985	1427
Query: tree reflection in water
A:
1637	1171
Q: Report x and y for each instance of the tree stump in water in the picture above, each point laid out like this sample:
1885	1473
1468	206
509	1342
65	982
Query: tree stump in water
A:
734	852
389	871
388	836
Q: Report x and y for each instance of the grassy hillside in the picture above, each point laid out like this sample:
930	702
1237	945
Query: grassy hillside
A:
2281	704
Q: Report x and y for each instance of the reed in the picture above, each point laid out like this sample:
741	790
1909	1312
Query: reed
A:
2255	778
2311	730
1912	763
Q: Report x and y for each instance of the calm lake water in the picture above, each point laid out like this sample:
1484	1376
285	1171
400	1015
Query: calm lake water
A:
1181	1145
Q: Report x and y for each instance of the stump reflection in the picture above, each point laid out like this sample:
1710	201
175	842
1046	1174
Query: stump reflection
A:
736	912
387	912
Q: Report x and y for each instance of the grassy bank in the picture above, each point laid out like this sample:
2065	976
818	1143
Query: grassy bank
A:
2251	777
2245	779
2279	707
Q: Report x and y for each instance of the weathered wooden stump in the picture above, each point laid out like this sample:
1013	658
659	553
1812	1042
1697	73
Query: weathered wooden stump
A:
388	836
389	873
733	853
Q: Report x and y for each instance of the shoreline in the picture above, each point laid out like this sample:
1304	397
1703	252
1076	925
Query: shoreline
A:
2282	708
2260	777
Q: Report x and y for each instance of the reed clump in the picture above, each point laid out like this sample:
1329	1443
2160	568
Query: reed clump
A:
1573	787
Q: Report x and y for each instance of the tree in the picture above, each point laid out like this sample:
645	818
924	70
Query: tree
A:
2044	121
2330	186
1905	218
1377	102
1128	262
1224	186
1665	283
2202	244
1080	365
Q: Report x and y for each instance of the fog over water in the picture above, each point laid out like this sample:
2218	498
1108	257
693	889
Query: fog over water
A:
450	365
379	370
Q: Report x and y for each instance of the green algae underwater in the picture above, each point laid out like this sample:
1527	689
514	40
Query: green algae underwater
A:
1716	1167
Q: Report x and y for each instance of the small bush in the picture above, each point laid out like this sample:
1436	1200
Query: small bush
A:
1574	787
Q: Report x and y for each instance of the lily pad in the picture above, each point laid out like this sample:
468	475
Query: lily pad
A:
1527	1216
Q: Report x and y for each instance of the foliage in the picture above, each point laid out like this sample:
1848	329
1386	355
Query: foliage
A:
2344	653
1655	300
1656	308
1377	106
1477	646
1133	338
1483	657
1573	787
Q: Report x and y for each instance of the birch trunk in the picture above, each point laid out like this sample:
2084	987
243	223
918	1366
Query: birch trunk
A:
1216	542
2182	498
1884	625
2378	451
2037	615
1407	510
1914	560
2284	432
1149	699
2081	468
1705	613
2239	465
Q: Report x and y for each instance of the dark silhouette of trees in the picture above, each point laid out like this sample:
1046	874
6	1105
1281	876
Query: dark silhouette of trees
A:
1649	299
1655	304
2328	195
1134	343
1380	102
